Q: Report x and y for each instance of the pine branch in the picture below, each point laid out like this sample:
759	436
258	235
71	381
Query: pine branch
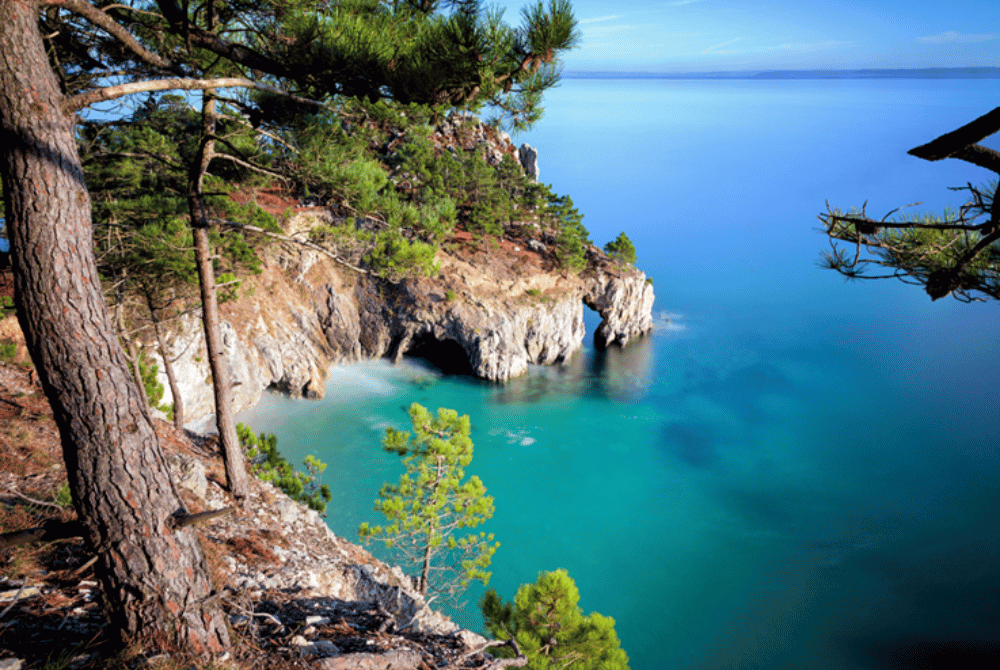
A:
100	19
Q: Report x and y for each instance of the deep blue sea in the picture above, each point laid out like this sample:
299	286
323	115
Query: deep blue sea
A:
792	471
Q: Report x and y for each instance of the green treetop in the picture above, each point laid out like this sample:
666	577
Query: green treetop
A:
551	629
431	504
621	249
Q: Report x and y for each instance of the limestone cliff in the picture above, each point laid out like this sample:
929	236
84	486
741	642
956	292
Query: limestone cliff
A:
490	312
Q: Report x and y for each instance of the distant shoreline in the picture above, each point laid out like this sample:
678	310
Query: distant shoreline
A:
862	73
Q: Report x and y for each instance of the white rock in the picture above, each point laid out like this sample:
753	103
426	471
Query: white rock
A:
188	473
527	156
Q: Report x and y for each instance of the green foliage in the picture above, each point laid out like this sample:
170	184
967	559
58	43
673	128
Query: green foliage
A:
450	295
148	371
137	174
7	306
489	206
394	257
414	52
431	504
621	249
64	497
8	349
270	466
550	628
569	249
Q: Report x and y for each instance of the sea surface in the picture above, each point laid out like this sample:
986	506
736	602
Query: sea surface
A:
792	471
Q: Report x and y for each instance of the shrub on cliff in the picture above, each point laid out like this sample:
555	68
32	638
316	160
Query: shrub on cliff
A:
270	466
621	249
569	249
551	629
394	257
431	504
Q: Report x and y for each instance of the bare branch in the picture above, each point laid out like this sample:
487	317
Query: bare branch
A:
865	221
48	532
82	100
948	144
304	243
181	521
40	503
247	164
981	156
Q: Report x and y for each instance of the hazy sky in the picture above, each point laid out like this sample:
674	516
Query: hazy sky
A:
700	35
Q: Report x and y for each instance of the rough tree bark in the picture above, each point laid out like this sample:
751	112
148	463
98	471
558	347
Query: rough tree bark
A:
154	577
232	453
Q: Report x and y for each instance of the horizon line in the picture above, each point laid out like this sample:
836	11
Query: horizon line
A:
971	71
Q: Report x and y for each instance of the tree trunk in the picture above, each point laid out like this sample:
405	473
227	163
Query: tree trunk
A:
425	571
168	365
154	578
130	352
232	453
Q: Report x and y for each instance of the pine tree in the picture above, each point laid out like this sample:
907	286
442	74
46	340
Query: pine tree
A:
431	504
621	249
551	629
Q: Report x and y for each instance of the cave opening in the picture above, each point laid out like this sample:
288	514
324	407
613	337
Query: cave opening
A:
446	355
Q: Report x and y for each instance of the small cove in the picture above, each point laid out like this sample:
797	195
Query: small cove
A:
791	471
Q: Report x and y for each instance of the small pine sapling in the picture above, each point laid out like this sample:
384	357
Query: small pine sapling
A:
621	249
550	628
431	504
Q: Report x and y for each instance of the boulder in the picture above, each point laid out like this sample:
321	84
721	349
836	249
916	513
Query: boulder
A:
527	156
188	473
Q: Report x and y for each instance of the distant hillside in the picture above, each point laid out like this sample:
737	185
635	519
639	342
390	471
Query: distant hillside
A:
866	73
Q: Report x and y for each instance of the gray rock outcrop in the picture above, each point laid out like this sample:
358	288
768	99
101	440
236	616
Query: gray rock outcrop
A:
527	155
500	341
625	303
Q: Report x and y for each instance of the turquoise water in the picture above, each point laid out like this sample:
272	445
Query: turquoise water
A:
791	472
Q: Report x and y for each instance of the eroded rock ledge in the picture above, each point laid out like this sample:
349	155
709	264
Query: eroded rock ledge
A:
489	312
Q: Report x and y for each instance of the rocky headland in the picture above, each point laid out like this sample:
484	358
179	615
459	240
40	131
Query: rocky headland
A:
493	308
488	312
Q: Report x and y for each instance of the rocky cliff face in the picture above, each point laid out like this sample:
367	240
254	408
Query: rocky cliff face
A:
489	313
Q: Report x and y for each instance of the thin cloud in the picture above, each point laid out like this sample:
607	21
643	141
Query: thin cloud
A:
954	37
712	49
679	3
603	18
599	31
810	46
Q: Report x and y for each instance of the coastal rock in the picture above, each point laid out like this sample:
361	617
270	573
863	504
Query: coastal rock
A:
499	341
624	301
306	312
527	156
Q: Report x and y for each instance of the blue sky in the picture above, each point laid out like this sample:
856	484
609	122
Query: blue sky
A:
711	35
